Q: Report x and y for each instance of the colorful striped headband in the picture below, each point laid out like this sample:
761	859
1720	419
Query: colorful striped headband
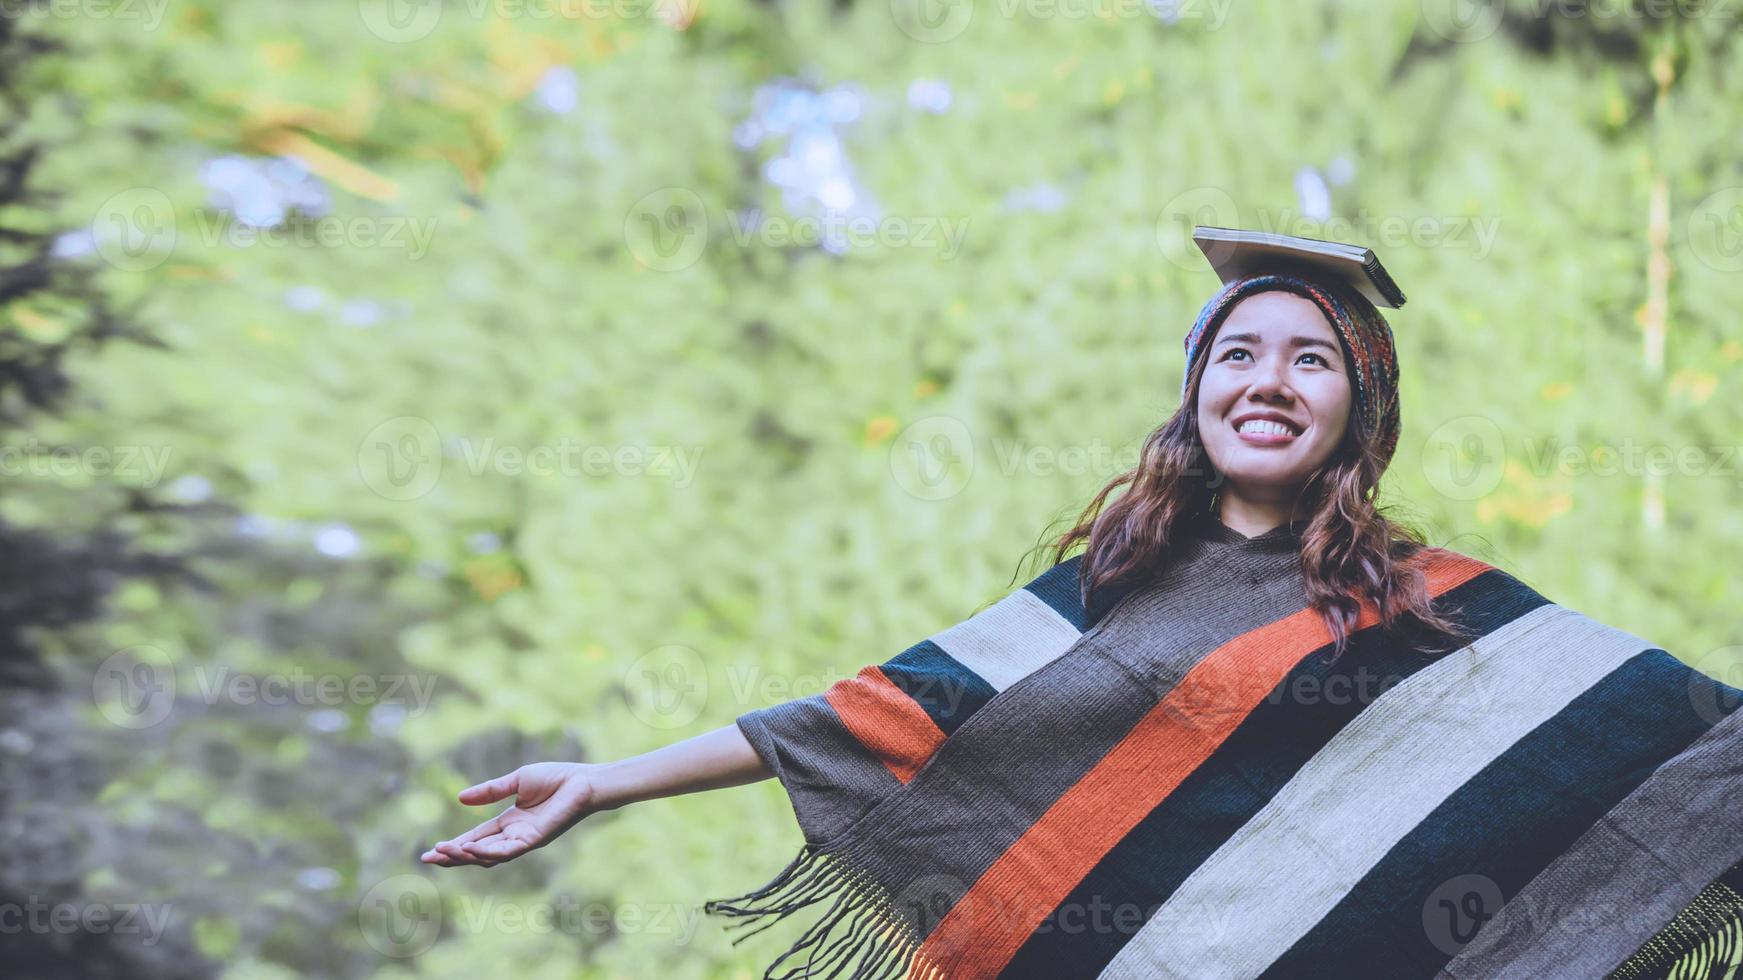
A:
1364	333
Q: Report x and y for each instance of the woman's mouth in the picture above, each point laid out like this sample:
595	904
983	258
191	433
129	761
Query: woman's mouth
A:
1264	432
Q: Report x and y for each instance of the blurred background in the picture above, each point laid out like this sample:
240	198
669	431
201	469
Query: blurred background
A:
394	392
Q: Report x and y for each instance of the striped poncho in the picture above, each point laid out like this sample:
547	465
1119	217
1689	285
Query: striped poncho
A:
1188	784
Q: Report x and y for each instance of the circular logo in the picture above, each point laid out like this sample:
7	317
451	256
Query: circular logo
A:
400	21
135	687
135	230
1715	230
932	21
401	916
667	687
1716	689
933	459
1465	458
1186	210
667	230
401	459
1462	21
1455	912
927	899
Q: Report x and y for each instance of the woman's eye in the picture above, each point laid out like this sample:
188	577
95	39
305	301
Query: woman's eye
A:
1231	352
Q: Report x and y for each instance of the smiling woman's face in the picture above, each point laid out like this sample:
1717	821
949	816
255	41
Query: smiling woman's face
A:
1275	356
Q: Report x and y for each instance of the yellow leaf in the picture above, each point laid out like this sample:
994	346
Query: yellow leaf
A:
210	273
879	428
44	328
1697	385
1557	390
279	56
351	176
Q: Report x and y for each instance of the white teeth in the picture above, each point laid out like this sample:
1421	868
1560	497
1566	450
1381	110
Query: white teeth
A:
1266	426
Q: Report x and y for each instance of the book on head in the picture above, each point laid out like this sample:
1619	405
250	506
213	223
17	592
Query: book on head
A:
1234	253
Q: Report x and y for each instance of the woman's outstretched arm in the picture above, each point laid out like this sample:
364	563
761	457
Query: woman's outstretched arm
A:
551	797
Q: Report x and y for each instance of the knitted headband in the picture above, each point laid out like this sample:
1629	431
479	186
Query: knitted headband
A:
1364	334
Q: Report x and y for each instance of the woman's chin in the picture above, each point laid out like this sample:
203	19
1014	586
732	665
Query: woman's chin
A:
1262	479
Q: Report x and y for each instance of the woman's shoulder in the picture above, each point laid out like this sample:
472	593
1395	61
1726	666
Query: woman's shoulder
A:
1449	568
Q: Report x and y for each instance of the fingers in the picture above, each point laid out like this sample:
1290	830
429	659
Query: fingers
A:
500	788
450	855
498	849
485	829
451	849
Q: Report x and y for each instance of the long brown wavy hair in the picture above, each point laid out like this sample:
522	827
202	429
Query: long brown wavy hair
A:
1351	552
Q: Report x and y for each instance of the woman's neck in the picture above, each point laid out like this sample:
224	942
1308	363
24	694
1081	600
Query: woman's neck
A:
1253	517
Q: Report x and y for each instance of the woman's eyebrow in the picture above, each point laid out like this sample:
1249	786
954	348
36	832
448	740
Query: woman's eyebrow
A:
1253	338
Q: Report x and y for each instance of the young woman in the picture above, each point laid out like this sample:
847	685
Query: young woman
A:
1254	728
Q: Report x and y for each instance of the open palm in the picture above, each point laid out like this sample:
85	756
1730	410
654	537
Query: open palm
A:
550	797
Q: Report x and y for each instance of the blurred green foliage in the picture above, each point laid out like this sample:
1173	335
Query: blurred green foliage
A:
350	432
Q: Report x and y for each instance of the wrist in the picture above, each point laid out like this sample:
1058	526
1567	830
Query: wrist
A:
611	783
